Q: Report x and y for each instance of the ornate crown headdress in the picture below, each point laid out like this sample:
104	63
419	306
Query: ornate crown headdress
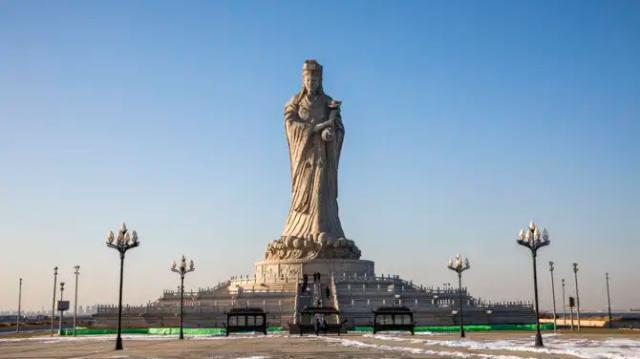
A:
312	66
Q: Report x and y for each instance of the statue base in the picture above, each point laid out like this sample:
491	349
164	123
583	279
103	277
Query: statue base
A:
274	271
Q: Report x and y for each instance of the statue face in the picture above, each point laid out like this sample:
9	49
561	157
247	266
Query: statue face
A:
312	82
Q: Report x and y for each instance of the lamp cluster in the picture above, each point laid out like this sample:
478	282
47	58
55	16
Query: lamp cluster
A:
124	240
532	238
458	264
182	269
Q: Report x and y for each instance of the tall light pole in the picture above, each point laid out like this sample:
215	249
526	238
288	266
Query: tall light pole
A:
608	299
182	270
75	300
19	306
534	240
459	265
564	305
125	241
575	274
61	311
53	302
553	293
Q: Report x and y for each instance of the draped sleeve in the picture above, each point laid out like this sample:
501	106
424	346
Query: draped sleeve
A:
299	135
334	149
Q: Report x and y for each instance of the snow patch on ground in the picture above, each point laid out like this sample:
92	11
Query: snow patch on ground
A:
412	350
610	348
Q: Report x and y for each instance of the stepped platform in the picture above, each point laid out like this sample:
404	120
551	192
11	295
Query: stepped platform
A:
281	292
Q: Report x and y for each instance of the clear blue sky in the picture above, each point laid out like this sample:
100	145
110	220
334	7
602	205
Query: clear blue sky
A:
464	120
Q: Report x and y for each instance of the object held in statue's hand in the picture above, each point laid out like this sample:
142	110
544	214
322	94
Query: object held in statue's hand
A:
327	134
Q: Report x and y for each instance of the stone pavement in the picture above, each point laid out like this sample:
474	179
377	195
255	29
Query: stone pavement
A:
499	345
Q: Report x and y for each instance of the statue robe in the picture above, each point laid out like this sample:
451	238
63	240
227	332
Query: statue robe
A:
314	170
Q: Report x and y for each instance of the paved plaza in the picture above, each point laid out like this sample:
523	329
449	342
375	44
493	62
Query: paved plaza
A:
501	345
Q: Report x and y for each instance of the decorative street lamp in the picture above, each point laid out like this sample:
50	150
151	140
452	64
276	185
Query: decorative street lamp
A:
575	274
534	240
60	308
606	275
75	300
553	293
182	270
20	306
123	242
53	304
458	265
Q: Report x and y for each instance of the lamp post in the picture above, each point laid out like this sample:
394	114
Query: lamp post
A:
564	306
75	300
182	270
534	240
553	293
19	306
61	311
53	302
459	265
123	242
606	275
575	274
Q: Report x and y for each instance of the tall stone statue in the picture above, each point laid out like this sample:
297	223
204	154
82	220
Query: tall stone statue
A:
315	133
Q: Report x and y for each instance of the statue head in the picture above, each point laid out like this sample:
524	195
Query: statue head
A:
312	77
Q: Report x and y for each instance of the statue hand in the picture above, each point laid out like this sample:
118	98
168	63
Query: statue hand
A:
321	126
327	134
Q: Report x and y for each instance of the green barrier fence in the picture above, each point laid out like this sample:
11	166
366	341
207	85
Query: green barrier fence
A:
156	331
364	329
472	328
